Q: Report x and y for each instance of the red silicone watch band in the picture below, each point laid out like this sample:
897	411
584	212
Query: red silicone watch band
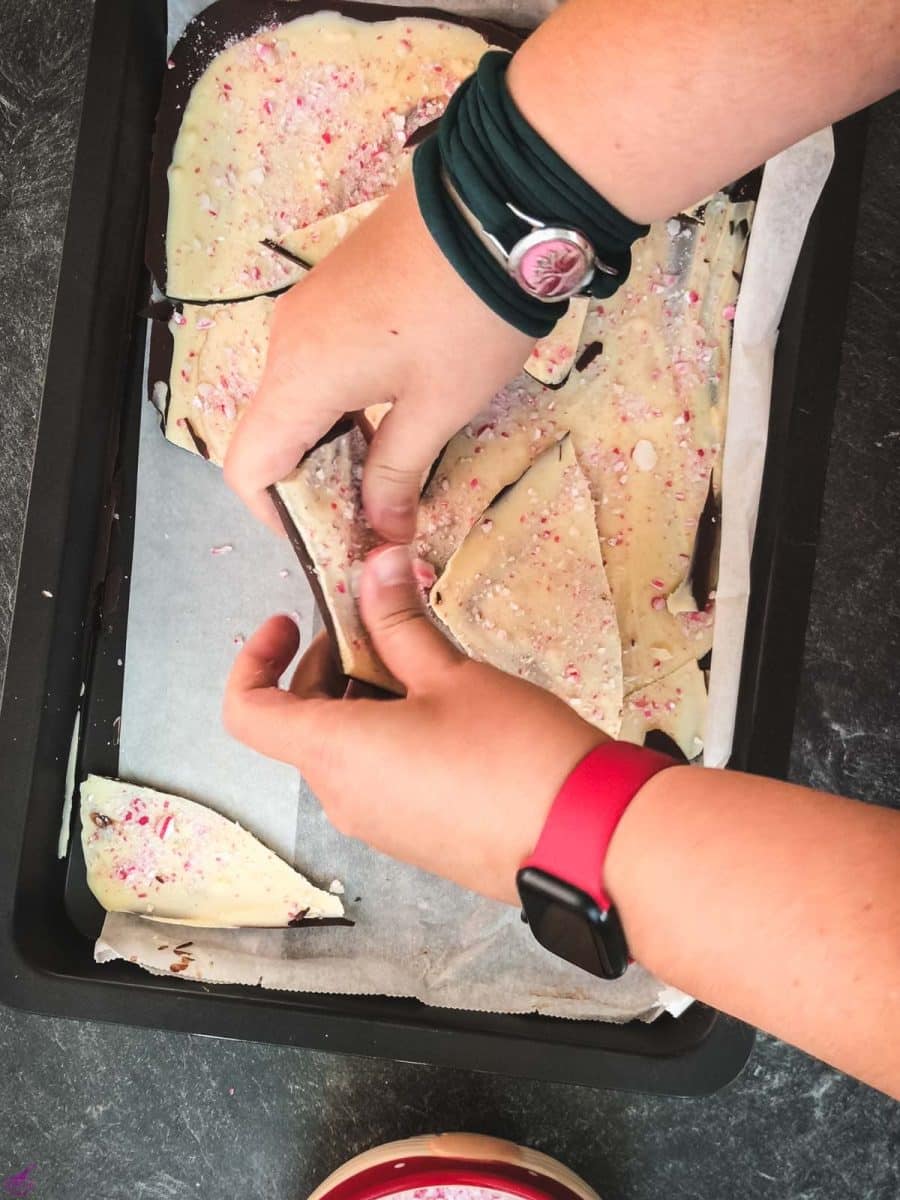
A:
588	807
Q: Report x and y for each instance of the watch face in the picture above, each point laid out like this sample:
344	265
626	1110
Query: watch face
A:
552	264
572	925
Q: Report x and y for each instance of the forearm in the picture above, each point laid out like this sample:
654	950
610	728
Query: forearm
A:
774	903
658	105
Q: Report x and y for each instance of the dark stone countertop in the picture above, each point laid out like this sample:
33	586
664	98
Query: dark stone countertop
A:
116	1112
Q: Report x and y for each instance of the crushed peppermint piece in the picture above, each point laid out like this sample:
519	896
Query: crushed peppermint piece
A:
336	887
49	595
728	311
283	573
224	549
424	574
644	455
238	639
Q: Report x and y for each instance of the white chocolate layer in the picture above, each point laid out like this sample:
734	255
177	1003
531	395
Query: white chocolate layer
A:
675	705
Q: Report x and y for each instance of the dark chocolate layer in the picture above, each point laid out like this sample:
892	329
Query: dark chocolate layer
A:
159	362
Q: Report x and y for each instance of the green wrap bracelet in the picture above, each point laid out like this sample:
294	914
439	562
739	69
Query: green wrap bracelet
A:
521	227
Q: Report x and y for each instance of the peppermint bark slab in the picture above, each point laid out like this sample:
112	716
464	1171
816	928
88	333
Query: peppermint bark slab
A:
646	409
274	115
528	593
648	429
321	507
664	288
171	859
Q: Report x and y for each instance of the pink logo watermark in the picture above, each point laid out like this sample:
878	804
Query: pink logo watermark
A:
21	1184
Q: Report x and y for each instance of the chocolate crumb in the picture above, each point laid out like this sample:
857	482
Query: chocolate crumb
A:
422	134
202	448
589	353
101	820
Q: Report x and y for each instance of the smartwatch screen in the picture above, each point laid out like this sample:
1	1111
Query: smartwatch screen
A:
572	925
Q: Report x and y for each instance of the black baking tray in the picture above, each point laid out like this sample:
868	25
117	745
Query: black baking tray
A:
77	547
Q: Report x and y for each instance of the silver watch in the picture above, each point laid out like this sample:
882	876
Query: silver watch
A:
551	263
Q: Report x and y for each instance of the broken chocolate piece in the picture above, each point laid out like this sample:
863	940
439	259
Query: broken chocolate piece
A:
321	508
175	860
527	591
553	357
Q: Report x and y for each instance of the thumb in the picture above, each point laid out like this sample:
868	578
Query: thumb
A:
405	445
406	641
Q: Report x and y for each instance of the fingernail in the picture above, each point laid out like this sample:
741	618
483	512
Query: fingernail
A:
392	566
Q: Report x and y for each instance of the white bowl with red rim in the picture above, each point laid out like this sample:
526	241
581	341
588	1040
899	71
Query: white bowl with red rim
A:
453	1166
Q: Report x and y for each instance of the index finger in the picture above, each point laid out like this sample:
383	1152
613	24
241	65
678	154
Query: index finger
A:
270	440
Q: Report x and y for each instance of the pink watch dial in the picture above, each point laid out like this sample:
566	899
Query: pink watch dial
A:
552	264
